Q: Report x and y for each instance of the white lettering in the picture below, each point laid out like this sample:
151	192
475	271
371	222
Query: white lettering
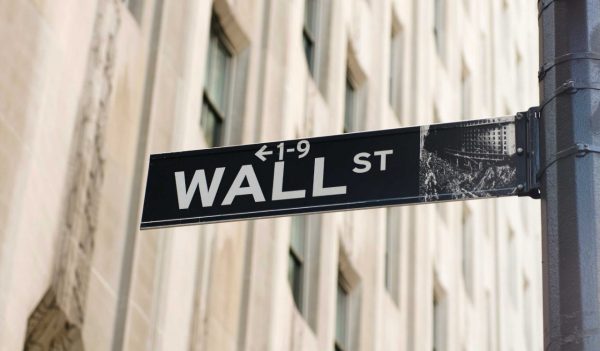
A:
358	159
236	189
318	189
383	154
278	193
207	193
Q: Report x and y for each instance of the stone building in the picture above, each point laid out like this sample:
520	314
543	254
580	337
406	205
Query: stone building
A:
90	88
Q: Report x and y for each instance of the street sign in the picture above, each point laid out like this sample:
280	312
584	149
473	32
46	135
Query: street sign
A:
440	162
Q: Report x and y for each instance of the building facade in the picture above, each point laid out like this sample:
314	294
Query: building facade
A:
88	89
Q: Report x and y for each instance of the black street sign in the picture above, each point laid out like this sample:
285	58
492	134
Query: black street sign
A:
441	162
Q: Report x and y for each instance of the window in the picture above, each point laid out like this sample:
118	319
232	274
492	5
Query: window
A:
303	265
216	87
512	271
309	32
520	74
438	322
465	92
395	83
504	28
135	7
348	304
392	250
296	264
485	71
350	106
490	321
355	92
341	315
528	315
439	26
467	250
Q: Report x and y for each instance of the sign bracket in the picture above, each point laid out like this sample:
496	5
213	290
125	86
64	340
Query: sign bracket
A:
528	134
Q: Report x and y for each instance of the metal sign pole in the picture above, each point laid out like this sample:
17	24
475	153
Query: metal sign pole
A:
570	172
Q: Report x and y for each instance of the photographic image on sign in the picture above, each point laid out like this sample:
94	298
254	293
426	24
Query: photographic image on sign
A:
440	162
469	161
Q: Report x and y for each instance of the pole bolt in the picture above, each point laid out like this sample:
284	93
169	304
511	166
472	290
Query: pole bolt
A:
520	187
520	151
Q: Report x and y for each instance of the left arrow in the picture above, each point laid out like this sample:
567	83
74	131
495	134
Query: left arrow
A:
261	153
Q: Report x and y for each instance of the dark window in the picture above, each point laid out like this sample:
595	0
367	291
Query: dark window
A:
341	315
296	264
309	32
135	7
465	92
467	249
395	74
392	247
350	106
439	26
216	87
436	324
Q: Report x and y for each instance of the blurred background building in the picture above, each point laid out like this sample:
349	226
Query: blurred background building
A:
89	88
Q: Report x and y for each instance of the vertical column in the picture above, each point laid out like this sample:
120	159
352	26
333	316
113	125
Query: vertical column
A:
59	317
